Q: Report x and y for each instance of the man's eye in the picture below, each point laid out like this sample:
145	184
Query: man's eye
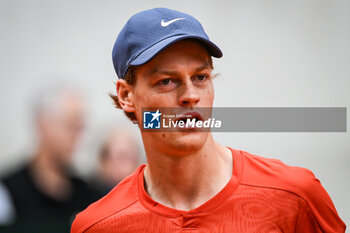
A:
166	84
201	77
165	81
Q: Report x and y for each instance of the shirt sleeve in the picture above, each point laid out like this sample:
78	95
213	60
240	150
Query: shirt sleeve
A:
317	212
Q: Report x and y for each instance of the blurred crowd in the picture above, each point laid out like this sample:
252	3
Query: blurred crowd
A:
44	193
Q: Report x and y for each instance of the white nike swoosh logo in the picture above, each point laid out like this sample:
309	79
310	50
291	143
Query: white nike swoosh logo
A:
165	24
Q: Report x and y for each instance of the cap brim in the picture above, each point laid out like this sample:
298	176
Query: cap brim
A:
149	53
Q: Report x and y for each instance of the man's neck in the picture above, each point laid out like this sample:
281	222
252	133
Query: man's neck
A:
48	177
186	182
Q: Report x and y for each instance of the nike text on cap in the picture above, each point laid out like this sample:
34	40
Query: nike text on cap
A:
149	32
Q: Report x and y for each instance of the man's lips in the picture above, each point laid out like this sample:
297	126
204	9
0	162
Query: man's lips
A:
190	115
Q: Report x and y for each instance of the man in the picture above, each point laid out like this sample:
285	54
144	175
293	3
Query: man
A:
191	183
43	194
119	156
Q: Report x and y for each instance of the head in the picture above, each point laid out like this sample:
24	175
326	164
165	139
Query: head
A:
60	121
119	156
173	70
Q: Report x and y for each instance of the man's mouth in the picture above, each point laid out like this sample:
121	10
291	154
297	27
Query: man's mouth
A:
189	115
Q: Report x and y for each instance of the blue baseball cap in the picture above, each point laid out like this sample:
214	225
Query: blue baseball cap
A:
148	32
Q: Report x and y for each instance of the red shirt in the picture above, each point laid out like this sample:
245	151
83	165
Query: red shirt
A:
263	195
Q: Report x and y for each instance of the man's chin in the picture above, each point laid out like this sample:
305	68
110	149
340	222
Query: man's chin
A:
186	142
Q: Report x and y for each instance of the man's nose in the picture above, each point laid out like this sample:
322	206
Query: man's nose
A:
189	95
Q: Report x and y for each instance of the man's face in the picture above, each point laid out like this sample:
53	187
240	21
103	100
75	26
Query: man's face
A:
178	77
121	157
61	128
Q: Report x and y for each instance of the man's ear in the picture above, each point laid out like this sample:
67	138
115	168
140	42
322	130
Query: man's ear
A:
125	95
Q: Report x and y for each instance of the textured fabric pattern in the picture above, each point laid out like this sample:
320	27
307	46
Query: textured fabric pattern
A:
250	209
263	195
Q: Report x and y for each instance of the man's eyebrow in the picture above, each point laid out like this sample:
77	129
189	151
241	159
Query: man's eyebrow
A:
206	65
161	71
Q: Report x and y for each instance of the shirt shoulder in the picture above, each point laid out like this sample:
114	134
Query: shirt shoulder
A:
272	173
19	185
121	197
18	175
